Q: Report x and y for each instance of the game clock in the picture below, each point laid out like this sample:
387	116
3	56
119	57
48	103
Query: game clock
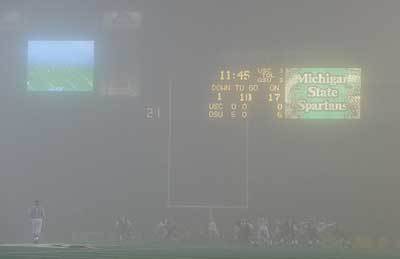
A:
228	75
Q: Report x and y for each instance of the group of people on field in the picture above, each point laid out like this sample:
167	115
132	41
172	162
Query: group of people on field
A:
287	232
264	232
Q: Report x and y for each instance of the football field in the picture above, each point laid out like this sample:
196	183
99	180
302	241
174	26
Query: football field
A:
182	252
60	78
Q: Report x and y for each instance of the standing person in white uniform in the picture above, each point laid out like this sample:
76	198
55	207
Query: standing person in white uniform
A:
213	232
264	237
37	216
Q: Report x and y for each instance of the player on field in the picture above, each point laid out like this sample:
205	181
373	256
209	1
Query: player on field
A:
263	233
278	236
167	230
161	229
37	216
213	232
245	231
124	229
312	233
172	231
291	232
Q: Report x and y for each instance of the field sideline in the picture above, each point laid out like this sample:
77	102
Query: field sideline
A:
155	251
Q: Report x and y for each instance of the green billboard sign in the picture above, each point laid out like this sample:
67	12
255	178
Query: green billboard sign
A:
322	93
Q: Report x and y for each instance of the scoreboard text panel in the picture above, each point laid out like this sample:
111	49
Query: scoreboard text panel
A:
289	93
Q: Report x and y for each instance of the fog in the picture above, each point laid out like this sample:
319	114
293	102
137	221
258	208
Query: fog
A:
90	158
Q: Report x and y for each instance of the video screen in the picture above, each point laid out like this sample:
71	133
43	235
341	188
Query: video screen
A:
60	66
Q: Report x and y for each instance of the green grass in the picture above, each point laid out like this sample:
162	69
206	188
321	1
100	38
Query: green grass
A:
188	252
60	78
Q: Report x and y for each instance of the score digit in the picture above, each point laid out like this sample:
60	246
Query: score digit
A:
244	75
225	75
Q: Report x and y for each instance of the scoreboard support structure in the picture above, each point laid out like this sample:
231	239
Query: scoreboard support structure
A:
174	204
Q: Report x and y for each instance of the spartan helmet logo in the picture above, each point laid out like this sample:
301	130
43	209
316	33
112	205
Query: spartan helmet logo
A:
122	20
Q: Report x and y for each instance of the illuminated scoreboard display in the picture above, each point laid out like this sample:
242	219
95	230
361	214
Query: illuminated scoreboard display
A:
289	93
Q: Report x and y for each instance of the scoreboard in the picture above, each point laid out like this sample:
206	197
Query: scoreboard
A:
289	93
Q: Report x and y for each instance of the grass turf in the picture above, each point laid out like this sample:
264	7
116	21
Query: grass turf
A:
157	251
60	78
